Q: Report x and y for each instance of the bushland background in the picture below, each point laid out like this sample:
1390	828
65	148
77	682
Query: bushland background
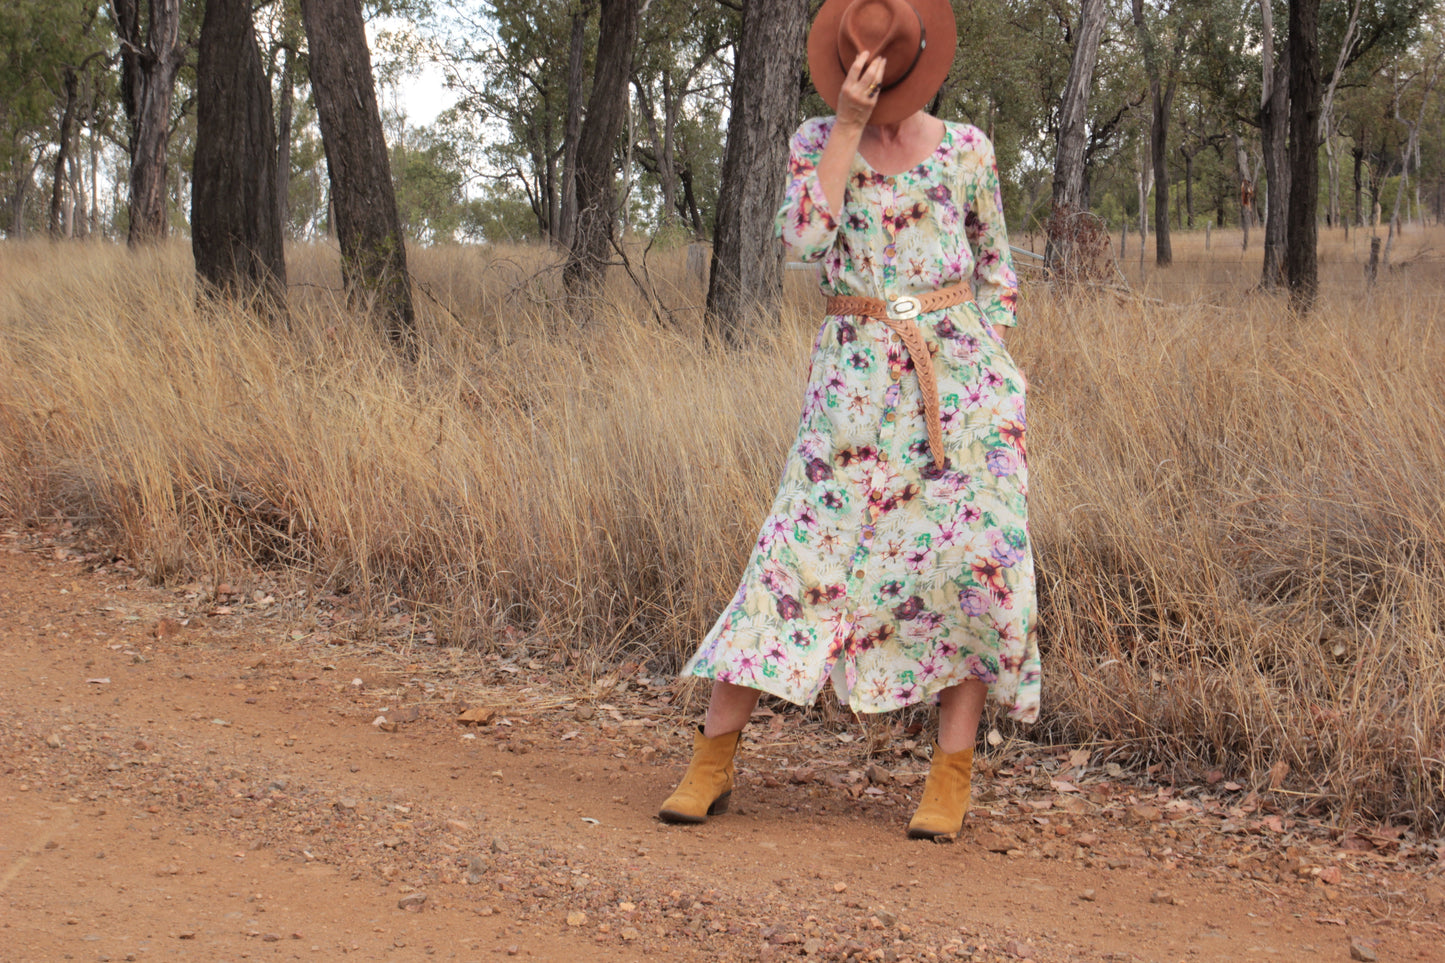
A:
521	403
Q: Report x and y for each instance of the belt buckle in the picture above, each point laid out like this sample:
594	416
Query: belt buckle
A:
905	308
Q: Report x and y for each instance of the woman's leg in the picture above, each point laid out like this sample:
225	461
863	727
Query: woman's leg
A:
731	706
959	709
707	785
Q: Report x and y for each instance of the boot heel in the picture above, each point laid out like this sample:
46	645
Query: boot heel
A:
720	804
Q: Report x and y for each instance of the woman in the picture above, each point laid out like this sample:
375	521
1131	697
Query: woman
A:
896	558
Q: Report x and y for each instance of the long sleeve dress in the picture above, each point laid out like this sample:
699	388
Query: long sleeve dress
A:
895	577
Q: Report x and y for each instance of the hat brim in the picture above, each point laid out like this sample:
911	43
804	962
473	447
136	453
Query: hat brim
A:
910	94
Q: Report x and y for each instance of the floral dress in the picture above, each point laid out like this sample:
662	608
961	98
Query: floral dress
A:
876	567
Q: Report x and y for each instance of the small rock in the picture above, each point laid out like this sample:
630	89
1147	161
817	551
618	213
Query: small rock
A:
840	887
1020	950
499	845
1087	896
191	934
53	741
994	843
346	804
1163	897
879	776
458	825
1331	875
576	918
812	947
585	713
629	933
412	902
1087	840
1145	814
477	868
166	628
1362	951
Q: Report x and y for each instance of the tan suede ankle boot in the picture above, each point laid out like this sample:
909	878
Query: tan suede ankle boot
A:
945	795
708	784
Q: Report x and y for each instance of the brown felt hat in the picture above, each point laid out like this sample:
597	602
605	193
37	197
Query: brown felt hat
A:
917	37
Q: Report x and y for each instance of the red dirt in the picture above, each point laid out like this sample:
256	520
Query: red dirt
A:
226	794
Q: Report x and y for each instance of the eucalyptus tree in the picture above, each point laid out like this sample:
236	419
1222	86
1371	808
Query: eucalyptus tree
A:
235	218
746	277
368	227
155	39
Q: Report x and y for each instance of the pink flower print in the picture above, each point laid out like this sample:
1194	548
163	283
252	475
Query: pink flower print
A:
948	417
968	514
973	602
973	397
908	692
836	383
776	529
945	329
917	559
846	335
969	136
747	664
931	666
946	648
929	620
988	257
789	608
890	590
939	192
774	651
992	378
949	534
867	453
801	638
807	518
819	470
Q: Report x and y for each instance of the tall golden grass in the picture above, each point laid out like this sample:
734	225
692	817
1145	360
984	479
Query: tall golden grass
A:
1237	513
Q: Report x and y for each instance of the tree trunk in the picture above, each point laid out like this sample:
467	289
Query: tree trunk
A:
1358	155
368	228
283	138
149	65
597	144
235	221
1163	102
746	276
1068	188
1274	126
565	228
71	84
1246	189
1301	262
1188	187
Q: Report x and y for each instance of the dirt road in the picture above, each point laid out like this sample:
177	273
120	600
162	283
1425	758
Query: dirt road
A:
201	774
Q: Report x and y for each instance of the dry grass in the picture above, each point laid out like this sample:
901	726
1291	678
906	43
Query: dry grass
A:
1237	514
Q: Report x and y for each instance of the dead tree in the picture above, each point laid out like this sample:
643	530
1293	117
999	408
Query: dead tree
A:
1068	192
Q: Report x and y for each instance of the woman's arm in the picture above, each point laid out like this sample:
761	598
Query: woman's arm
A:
996	287
855	105
818	167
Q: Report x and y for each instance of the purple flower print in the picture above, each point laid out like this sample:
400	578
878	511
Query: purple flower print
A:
992	378
945	329
1008	555
846	333
819	470
978	669
973	397
748	663
832	501
939	193
973	602
908	692
1001	462
789	608
969	514
807	518
917	559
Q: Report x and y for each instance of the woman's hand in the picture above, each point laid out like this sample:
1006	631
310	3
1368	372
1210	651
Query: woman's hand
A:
859	92
855	105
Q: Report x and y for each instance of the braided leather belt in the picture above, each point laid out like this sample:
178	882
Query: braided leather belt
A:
898	314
